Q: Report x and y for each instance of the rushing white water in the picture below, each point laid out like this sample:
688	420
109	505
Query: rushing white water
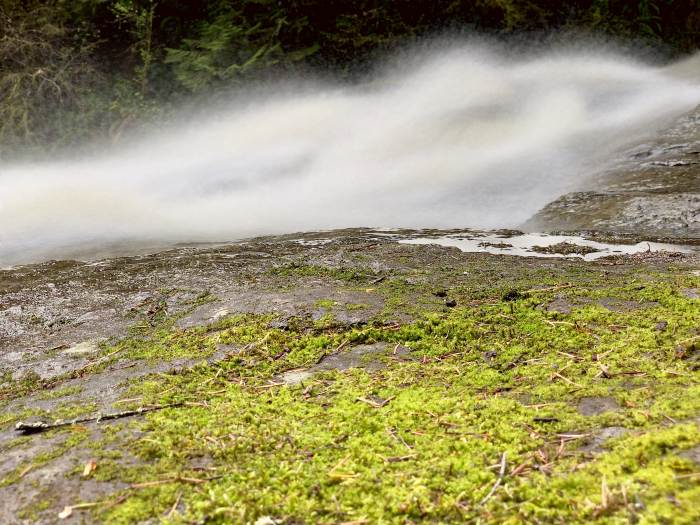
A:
467	137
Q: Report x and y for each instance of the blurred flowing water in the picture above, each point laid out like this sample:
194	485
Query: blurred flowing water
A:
466	137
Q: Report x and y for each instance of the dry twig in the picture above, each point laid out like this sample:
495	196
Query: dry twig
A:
43	426
501	474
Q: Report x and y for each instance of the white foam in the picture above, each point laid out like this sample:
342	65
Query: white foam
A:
465	138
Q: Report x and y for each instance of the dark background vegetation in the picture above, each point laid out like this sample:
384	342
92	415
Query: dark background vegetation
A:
77	70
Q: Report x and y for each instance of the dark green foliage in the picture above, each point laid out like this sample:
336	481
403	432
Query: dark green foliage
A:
236	42
44	66
92	68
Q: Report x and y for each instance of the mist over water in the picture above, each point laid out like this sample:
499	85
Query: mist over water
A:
465	138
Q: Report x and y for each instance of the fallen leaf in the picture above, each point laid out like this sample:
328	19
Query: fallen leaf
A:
90	467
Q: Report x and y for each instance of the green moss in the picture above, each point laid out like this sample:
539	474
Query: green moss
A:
421	439
326	303
351	307
312	270
61	392
19	441
498	378
330	304
74	438
12	416
10	388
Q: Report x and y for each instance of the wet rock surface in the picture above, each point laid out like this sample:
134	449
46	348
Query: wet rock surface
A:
594	406
693	454
692	293
654	192
314	300
62	324
596	443
55	317
368	357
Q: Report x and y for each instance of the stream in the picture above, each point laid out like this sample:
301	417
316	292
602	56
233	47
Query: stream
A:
564	140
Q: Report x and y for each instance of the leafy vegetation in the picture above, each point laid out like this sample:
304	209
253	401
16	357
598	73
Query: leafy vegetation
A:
70	71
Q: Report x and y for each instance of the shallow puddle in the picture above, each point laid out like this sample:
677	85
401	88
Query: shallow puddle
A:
541	245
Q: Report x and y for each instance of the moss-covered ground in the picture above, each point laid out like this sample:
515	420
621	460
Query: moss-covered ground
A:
551	396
